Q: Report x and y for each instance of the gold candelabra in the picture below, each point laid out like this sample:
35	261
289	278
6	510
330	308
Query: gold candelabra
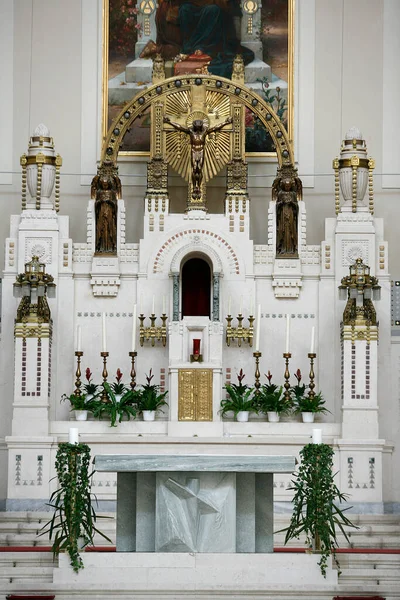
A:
311	385
257	355
239	333
133	372
104	397
153	332
287	356
78	382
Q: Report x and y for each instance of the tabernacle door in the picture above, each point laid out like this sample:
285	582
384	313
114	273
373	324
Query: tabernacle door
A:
195	395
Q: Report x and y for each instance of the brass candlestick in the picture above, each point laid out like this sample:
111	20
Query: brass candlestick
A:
78	382
239	333
311	385
257	355
104	397
133	372
153	332
287	356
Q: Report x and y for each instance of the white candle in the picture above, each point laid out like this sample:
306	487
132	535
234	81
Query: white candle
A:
103	333
153	312
258	328
78	339
241	305
163	305
317	436
251	306
73	436
229	305
134	323
287	333
312	348
141	304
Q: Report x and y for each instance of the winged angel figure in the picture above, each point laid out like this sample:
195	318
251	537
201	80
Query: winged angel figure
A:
287	190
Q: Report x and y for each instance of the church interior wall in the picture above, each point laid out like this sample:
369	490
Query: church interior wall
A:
347	80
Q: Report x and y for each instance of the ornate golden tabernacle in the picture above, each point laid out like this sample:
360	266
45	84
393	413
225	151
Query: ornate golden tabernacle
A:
195	395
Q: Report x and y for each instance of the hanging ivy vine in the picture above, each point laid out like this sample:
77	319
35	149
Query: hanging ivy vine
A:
73	522
315	504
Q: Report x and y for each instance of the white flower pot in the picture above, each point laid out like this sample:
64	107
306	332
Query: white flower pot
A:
118	397
242	416
273	417
308	417
81	415
149	415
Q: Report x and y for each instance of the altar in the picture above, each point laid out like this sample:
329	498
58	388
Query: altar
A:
195	503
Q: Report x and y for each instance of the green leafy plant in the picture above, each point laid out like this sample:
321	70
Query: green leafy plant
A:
240	397
270	398
90	387
77	402
316	513
118	387
115	409
298	391
74	517
314	404
150	397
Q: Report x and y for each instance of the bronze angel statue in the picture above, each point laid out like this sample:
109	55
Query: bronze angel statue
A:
287	190
106	190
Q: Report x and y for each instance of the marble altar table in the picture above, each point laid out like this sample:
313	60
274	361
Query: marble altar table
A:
194	503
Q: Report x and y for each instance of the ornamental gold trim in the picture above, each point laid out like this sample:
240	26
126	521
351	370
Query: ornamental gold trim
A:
354	333
33	330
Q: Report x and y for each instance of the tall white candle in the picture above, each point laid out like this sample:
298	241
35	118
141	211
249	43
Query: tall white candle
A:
153	311
141	304
312	348
258	328
73	435
317	436
229	305
78	339
103	333
163	305
134	324
251	306
287	333
241	305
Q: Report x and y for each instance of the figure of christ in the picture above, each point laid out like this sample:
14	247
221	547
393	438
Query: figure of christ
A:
198	133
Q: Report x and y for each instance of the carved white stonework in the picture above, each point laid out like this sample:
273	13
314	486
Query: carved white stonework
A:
263	255
105	276
353	250
81	253
38	145
40	247
129	253
353	146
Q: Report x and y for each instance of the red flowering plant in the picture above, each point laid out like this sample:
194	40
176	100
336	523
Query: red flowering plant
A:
123	27
150	397
240	397
270	398
118	387
90	387
299	389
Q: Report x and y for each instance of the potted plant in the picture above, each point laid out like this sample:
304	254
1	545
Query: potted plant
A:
115	408
118	387
79	404
74	518
315	504
91	389
309	406
272	401
150	399
240	400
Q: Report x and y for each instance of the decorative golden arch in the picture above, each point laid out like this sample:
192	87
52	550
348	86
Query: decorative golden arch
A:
237	91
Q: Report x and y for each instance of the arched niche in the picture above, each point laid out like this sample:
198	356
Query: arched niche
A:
196	286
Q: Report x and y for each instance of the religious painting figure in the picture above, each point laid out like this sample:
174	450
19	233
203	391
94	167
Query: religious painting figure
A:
106	207
198	133
286	191
201	28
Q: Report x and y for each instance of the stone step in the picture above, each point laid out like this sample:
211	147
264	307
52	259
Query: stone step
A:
370	576
16	574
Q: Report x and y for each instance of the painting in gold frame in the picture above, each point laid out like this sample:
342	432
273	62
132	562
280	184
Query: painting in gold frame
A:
134	30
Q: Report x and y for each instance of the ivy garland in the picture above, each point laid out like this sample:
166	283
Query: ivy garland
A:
73	521
315	510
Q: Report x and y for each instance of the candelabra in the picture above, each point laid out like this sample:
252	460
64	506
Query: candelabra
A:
78	382
239	333
257	355
153	332
287	356
104	396
311	385
133	372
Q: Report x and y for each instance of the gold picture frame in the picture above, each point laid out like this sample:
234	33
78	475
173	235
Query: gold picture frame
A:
270	29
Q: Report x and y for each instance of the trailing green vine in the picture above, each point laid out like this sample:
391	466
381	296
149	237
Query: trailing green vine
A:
315	510
74	518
